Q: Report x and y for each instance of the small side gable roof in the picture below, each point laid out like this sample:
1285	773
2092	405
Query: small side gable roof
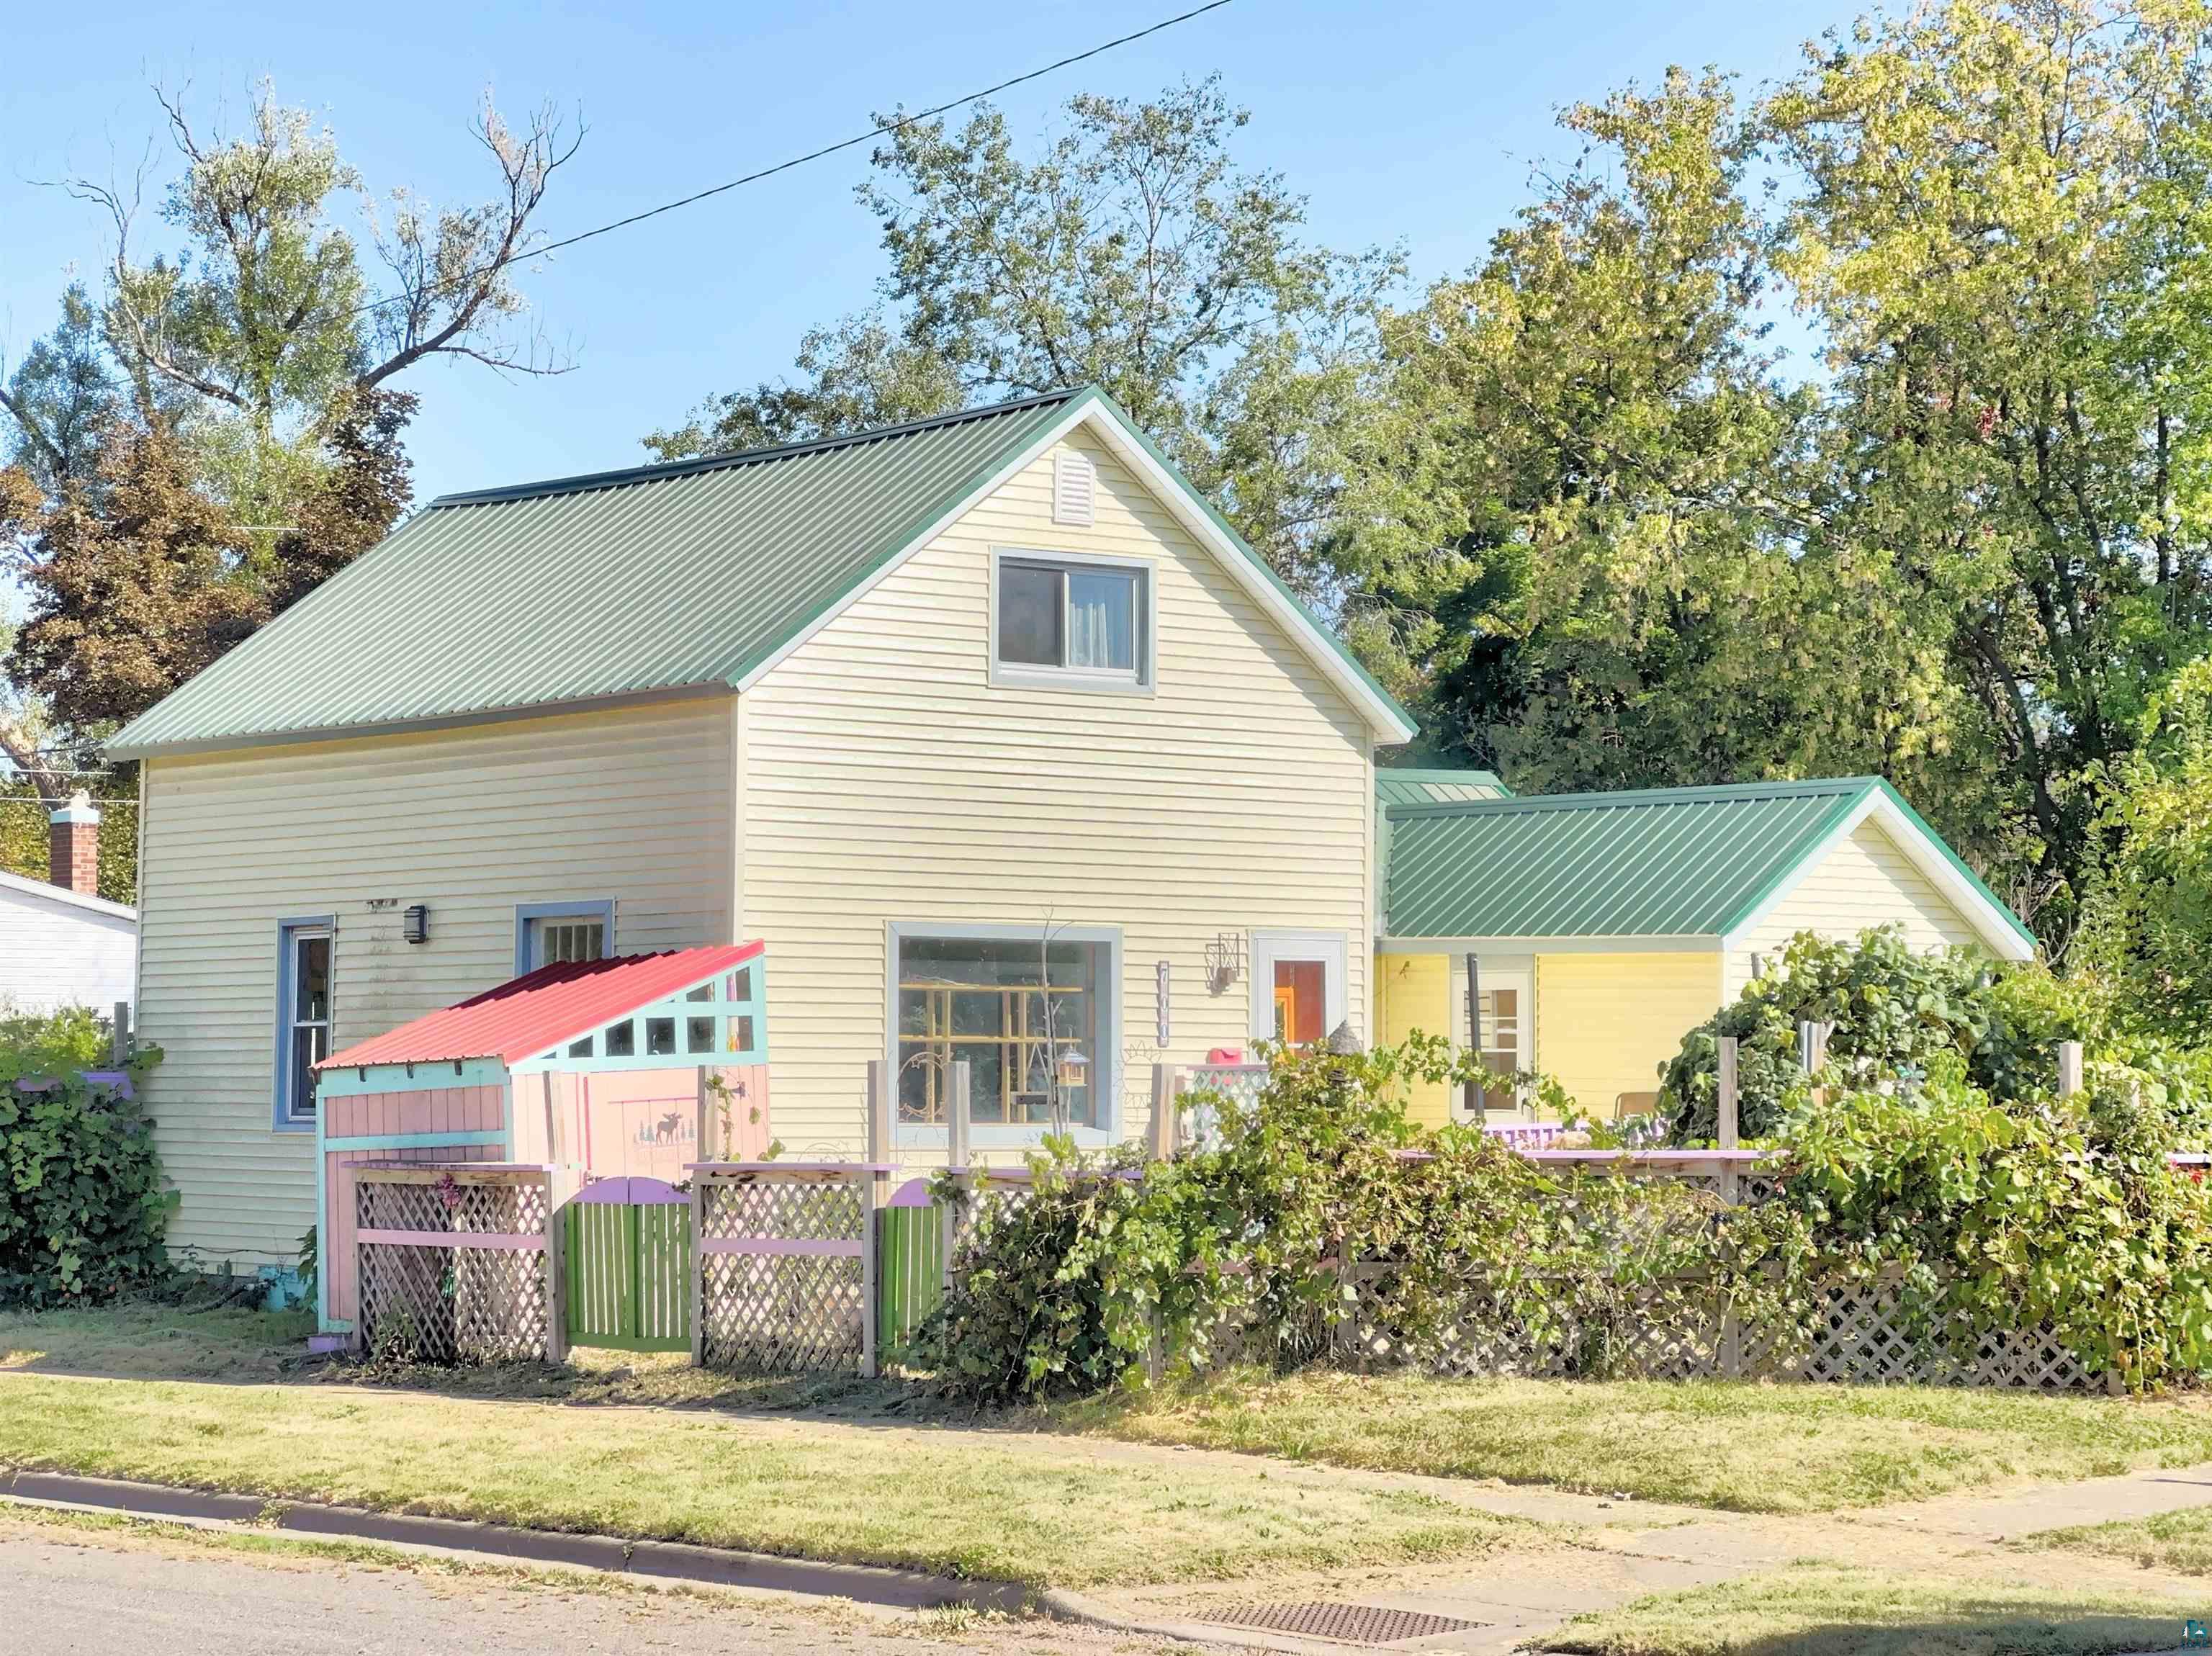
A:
527	1015
46	890
1435	785
697	576
1703	863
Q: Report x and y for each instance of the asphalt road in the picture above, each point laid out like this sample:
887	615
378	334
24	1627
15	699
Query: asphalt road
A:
71	1592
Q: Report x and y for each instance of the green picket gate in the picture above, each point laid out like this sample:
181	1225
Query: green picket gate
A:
627	1247
909	1264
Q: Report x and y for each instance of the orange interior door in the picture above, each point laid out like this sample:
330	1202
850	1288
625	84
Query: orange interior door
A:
1301	995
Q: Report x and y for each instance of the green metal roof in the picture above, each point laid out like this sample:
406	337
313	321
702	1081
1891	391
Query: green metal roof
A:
1664	862
1407	784
647	581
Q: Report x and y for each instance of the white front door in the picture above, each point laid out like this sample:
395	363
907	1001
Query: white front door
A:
1507	1012
1298	985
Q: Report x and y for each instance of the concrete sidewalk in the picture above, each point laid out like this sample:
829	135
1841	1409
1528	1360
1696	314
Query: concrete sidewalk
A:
1624	1550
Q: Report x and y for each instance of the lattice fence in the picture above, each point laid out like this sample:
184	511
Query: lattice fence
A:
475	1288
782	1282
1201	1125
1860	1335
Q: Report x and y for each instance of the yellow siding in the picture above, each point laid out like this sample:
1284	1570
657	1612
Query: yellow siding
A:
1414	996
1606	1022
885	778
631	805
1865	881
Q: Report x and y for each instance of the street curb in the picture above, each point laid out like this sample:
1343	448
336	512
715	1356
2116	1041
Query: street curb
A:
677	1560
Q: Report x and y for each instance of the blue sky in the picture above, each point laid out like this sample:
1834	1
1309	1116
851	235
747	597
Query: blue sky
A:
1410	120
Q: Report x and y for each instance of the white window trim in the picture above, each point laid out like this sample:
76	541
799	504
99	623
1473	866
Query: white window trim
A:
527	915
1269	946
1028	676
1493	969
1106	1062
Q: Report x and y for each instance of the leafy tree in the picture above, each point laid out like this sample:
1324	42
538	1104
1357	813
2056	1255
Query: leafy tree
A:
1563	528
1132	253
138	578
2150	931
218	431
2004	236
61	395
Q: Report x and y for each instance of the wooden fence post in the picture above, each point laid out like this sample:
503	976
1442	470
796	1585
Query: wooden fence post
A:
957	1156
119	1042
880	1106
1727	1100
1728	1139
2070	1068
1813	1044
697	1199
1166	1128
556	1274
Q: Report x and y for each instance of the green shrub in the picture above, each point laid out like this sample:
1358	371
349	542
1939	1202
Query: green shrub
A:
1895	1011
1105	1264
2003	1219
81	1204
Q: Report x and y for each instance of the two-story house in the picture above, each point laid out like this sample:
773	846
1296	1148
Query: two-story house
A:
988	727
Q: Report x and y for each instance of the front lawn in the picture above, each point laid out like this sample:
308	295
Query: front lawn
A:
1737	1445
1003	1508
1826	1610
2179	1542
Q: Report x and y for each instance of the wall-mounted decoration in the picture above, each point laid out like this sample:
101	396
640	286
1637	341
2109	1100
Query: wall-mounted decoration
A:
1224	960
1162	1003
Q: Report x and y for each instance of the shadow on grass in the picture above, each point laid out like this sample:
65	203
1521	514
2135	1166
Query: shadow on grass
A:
215	1333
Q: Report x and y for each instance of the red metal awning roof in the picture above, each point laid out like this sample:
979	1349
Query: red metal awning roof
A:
525	1016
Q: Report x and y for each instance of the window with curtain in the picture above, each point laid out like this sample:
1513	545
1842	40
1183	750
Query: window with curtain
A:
1084	620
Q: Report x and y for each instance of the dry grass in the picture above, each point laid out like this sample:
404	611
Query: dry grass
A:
1739	1446
1825	1610
993	1506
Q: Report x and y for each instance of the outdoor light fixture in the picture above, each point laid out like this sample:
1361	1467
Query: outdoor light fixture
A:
415	923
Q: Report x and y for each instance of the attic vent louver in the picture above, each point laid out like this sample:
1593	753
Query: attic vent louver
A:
1074	490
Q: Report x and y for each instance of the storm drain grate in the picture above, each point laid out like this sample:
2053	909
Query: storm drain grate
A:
1348	1624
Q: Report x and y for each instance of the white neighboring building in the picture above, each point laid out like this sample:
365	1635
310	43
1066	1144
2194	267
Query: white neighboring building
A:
60	943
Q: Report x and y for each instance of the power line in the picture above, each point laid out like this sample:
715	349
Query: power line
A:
872	134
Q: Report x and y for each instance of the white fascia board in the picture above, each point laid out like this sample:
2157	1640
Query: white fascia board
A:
1172	493
1994	930
1679	942
44	890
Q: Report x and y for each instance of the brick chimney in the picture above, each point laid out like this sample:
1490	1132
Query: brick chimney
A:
73	846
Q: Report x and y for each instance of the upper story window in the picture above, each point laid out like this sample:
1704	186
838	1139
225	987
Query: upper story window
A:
548	934
1080	621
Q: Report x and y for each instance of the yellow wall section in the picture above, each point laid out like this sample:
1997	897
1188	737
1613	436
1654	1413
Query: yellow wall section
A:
631	805
1605	1021
1864	881
885	778
1412	995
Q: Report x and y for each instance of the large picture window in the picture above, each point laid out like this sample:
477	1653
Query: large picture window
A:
303	1016
1032	1020
1083	620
